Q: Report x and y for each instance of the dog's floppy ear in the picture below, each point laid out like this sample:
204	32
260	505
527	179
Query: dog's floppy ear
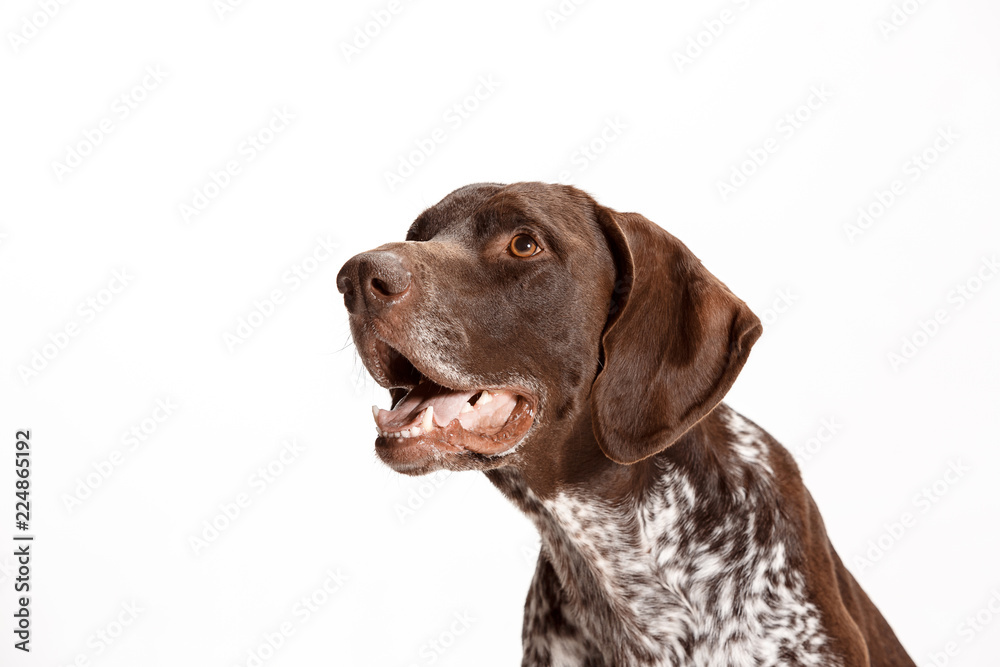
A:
675	340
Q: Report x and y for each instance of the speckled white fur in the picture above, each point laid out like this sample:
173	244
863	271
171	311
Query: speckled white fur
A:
638	586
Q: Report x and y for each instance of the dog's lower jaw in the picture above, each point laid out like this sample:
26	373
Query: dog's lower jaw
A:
705	566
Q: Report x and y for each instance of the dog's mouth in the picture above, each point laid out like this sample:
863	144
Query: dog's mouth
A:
431	421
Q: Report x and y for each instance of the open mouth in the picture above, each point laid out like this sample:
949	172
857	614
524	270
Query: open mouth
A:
431	420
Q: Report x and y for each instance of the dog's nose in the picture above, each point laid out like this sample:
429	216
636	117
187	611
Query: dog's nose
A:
375	280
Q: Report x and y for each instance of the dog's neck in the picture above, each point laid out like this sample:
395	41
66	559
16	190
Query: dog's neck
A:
698	545
717	479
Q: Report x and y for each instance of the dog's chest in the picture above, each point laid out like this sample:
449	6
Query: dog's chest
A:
666	583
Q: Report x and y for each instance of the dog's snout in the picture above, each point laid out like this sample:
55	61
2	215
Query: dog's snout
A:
375	280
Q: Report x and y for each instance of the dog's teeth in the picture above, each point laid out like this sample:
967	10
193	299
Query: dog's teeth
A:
484	398
415	431
428	420
405	433
375	412
466	408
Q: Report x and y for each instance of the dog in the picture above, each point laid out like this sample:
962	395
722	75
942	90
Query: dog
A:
579	357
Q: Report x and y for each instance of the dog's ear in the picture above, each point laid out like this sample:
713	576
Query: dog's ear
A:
675	340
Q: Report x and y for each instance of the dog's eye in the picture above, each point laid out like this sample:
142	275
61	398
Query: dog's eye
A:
523	245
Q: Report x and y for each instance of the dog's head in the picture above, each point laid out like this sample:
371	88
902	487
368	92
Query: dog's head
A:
514	318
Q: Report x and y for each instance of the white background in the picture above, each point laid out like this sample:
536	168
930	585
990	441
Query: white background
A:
835	307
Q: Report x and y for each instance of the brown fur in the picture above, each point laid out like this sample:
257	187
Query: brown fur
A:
622	346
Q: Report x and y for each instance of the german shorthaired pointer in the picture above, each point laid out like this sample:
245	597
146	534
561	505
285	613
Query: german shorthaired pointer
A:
579	357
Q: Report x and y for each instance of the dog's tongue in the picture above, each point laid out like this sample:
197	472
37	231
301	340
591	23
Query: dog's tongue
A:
490	412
